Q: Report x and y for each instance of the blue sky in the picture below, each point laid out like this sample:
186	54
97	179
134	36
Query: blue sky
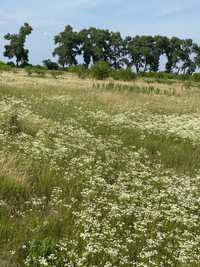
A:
48	17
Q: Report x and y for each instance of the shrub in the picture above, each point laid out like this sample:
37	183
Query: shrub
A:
50	65
80	70
4	66
14	126
196	77
39	71
11	64
159	75
125	75
25	64
100	70
72	69
29	71
55	73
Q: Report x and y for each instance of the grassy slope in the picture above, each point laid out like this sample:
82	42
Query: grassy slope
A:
98	174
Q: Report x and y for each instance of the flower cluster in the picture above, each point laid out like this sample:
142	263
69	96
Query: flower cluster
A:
93	197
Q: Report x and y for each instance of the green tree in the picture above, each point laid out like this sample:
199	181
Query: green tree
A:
153	53
15	48
133	53
197	55
187	56
68	47
101	45
143	53
94	45
115	50
173	53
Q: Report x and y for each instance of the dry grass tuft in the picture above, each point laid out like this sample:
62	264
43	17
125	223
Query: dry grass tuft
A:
8	169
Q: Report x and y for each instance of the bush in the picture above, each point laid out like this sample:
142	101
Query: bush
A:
4	66
29	71
159	75
72	69
196	77
55	73
11	64
124	75
184	77
50	65
25	64
39	71
100	71
80	70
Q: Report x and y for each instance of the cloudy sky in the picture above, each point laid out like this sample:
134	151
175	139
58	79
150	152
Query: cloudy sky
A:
48	17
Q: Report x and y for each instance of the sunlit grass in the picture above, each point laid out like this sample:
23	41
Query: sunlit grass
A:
98	176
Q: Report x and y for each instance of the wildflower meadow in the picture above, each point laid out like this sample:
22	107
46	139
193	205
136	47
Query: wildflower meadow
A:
93	177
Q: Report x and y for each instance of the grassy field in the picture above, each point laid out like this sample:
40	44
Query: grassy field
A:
99	174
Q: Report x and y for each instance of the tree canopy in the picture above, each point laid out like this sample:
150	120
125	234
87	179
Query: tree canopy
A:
143	53
92	45
15	48
67	47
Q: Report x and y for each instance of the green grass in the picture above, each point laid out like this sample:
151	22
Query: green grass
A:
98	177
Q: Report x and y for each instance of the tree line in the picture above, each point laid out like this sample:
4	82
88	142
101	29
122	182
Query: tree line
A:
89	46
